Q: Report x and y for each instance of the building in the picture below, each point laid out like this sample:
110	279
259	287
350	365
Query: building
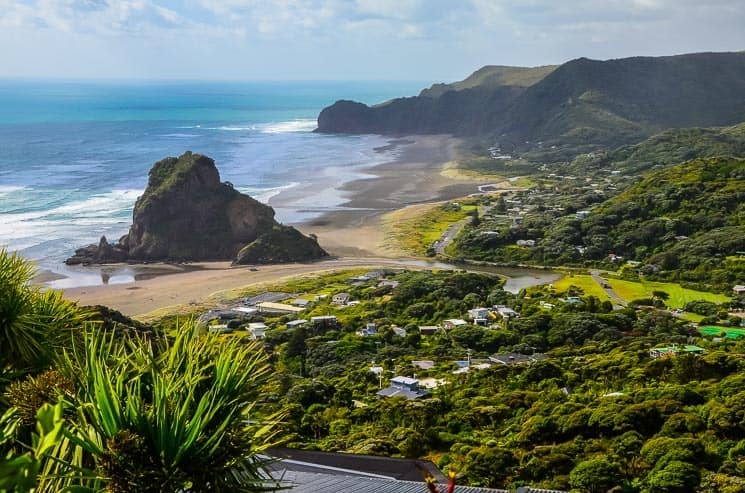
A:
739	289
452	323
424	364
506	312
399	332
525	243
257	330
271	307
480	316
404	387
219	329
296	323
340	299
388	284
674	350
428	330
510	359
310	471
301	302
370	330
582	215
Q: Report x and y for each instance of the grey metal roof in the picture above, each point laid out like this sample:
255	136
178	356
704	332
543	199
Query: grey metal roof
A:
308	482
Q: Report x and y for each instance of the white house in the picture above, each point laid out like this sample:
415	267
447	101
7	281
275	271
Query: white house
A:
257	330
738	289
506	312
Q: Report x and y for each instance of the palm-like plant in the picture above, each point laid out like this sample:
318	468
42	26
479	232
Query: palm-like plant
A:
171	415
34	324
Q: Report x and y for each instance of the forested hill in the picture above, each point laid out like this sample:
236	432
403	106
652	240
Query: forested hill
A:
685	220
608	103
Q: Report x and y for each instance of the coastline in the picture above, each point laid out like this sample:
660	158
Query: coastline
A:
353	232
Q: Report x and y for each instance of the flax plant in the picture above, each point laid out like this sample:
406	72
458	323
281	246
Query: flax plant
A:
170	415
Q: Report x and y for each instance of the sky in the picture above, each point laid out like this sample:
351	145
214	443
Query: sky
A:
420	40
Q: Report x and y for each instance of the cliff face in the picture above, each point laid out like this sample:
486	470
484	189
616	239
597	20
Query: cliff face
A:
610	102
187	214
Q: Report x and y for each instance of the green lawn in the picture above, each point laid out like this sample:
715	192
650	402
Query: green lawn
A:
679	296
716	331
583	282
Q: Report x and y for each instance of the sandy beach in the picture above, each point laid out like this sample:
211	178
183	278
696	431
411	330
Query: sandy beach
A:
353	233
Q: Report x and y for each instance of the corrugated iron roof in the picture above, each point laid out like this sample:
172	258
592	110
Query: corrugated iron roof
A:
307	482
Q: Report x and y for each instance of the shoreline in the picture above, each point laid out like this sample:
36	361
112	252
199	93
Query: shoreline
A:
353	233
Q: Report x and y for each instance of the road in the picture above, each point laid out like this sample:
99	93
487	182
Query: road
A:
618	301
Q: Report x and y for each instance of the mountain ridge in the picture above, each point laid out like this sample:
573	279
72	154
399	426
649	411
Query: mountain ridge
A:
606	103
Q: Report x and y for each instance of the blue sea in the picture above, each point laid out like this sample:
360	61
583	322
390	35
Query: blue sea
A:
74	156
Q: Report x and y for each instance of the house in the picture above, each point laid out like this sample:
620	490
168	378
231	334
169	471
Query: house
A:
452	323
378	370
375	274
582	215
424	364
358	279
296	323
738	290
480	316
572	300
385	283
271	307
219	329
399	332
340	299
323	319
405	387
510	359
370	330
506	312
300	302
490	234
257	330
428	330
674	350
525	243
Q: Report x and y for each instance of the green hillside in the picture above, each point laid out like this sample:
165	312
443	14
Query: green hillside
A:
493	76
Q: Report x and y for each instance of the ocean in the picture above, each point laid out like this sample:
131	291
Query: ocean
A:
74	156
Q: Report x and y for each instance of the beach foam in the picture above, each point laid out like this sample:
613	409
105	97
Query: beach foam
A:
289	126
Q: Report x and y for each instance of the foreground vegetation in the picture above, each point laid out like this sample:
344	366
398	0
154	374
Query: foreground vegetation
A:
86	409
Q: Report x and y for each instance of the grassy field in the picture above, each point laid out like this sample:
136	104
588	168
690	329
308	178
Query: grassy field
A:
583	282
716	331
416	228
679	296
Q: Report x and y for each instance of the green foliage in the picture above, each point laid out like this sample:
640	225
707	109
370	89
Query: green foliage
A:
169	415
595	476
34	324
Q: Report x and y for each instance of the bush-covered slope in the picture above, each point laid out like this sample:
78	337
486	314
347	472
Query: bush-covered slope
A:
606	103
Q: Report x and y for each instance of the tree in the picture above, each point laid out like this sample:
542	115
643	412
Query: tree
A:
675	477
488	466
595	476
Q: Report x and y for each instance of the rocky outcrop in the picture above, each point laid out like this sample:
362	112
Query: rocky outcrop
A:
188	214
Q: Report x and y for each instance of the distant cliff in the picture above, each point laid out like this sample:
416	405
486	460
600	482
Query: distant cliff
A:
609	102
187	214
